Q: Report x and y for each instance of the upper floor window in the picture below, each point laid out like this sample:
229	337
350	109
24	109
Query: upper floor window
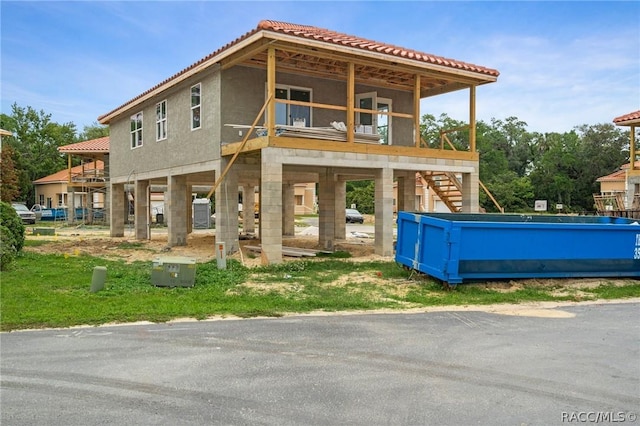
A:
293	115
136	130
196	105
161	120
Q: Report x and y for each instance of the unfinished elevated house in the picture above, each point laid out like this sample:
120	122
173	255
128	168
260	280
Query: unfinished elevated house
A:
85	185
632	187
287	104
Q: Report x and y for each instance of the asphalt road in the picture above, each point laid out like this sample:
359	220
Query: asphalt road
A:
558	366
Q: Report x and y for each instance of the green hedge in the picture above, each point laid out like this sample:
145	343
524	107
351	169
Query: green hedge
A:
11	234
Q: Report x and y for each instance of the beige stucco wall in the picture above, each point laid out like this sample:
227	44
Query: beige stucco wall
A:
609	186
183	146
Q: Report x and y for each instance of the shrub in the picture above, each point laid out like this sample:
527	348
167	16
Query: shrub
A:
11	233
7	247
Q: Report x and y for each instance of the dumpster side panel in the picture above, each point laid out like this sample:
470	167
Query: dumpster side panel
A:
456	247
433	248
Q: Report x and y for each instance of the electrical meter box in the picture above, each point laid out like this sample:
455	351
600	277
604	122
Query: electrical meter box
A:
173	271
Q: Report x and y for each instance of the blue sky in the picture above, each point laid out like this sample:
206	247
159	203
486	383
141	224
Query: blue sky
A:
562	64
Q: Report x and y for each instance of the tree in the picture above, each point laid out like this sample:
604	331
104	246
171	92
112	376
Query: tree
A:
36	145
361	193
603	149
93	131
554	173
10	190
430	131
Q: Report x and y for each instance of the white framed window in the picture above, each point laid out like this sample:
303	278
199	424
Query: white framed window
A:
196	106
136	130
161	120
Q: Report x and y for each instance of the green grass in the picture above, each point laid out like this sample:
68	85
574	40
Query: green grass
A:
53	290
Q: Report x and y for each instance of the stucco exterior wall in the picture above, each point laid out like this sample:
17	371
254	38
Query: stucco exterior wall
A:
183	146
243	93
608	187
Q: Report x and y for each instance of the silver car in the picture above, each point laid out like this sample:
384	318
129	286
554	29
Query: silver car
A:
25	214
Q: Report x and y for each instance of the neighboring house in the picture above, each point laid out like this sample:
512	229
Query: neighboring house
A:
83	186
614	190
54	190
330	108
632	170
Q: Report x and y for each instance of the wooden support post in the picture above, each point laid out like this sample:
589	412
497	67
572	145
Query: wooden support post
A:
271	92
634	148
472	118
416	111
69	164
351	89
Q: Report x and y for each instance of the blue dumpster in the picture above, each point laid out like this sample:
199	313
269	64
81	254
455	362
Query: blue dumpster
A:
460	246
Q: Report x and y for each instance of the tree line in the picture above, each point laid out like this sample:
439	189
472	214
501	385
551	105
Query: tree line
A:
518	166
32	151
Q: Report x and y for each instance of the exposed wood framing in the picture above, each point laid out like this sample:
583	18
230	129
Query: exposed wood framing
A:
271	91
472	118
416	111
351	90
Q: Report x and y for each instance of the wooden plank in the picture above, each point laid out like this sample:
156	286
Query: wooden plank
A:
287	251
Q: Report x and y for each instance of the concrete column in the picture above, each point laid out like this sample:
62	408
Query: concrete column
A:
288	209
271	207
248	214
326	209
406	199
117	210
470	193
141	209
384	212
177	211
71	205
189	201
227	210
340	202
633	189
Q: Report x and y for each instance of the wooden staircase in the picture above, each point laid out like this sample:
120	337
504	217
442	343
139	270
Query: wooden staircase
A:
446	186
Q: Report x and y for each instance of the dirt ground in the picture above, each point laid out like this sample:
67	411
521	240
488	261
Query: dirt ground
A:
200	244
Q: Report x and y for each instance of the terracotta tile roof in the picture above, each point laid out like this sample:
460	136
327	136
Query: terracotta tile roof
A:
333	37
100	145
636	165
616	176
329	37
63	175
623	119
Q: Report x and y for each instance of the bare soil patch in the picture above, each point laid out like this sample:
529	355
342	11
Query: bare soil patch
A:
201	246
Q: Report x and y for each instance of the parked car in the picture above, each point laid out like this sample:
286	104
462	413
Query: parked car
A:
354	216
37	210
25	214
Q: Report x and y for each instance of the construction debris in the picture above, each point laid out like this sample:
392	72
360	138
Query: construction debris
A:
337	132
291	251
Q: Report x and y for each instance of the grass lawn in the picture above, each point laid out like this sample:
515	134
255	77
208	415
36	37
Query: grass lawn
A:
46	290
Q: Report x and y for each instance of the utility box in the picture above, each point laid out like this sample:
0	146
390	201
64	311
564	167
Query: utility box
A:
173	271
201	213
